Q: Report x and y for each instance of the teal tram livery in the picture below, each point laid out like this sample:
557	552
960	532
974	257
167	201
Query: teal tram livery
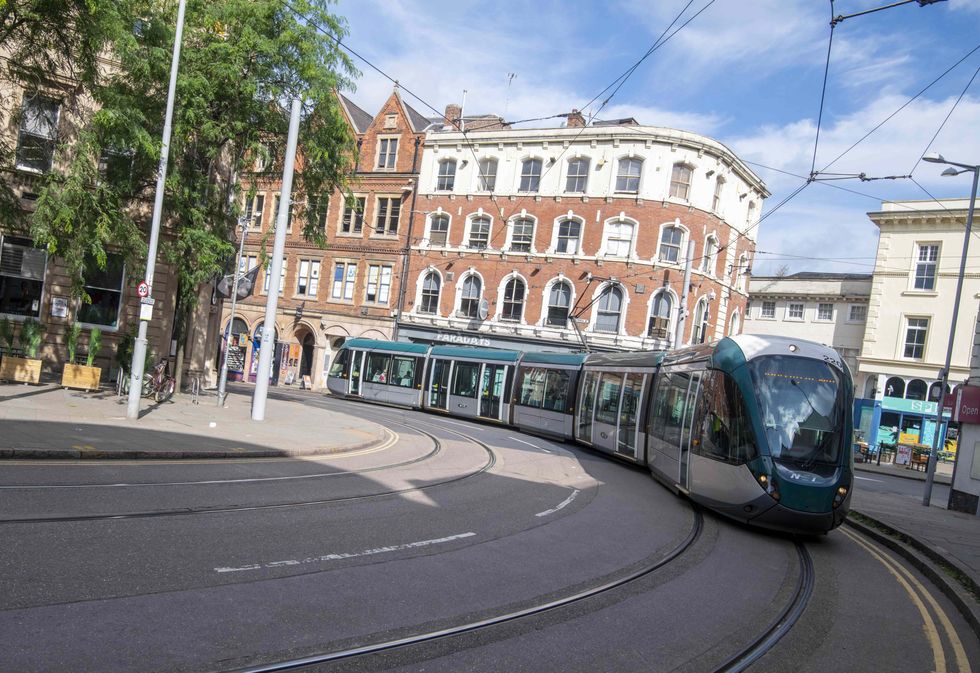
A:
756	428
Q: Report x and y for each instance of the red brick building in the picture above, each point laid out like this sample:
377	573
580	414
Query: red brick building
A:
350	287
544	238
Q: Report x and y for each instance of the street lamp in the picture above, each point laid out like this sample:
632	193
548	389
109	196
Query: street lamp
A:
944	374
223	376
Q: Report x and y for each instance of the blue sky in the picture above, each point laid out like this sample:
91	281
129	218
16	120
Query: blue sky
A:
746	72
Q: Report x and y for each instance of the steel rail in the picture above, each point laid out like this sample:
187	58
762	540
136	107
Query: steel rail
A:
187	511
782	625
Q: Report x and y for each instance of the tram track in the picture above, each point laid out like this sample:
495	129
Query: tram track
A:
193	511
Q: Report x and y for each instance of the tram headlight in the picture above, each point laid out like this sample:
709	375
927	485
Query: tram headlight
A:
769	485
839	496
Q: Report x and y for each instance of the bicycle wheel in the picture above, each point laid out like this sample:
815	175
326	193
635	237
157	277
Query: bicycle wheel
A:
166	390
148	386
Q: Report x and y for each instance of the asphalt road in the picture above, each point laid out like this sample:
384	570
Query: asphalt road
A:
225	565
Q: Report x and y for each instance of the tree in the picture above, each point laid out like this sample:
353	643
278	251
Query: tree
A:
241	62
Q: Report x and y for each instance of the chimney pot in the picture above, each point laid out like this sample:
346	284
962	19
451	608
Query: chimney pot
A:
575	119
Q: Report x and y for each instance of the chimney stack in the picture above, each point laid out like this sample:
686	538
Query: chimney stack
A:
575	120
454	114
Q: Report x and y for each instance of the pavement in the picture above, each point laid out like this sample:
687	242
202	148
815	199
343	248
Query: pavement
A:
48	421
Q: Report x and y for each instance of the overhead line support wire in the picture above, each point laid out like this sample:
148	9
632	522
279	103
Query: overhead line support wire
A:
823	90
948	115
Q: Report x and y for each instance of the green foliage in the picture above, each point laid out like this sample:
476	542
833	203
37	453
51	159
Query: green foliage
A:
71	340
7	333
94	344
241	62
124	353
31	333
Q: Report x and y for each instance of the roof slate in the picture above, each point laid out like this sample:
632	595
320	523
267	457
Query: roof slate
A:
359	118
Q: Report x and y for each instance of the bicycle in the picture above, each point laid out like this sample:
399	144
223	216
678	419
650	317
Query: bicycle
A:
158	384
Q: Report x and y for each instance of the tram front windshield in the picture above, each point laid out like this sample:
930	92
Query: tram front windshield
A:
801	404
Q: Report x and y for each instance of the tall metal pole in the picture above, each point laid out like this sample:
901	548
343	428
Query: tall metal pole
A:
944	375
682	309
139	348
275	270
223	378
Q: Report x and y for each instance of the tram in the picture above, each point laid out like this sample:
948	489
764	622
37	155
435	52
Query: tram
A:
756	428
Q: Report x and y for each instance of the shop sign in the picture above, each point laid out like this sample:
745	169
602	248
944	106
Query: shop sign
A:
463	339
967	406
909	406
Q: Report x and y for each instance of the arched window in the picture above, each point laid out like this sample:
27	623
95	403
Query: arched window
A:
439	230
742	272
578	176
700	322
750	215
680	181
936	392
488	175
670	244
430	294
719	188
513	308
619	238
569	237
709	262
869	387
895	387
659	324
736	324
479	235
522	234
916	390
628	175
530	175
472	293
609	310
447	175
559	301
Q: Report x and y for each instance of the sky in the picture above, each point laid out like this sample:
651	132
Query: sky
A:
748	73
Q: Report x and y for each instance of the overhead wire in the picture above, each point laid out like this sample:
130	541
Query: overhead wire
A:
823	90
948	115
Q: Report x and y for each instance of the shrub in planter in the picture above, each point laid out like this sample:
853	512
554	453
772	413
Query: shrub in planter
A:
26	369
7	335
84	376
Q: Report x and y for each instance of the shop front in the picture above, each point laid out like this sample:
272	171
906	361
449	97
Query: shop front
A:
895	420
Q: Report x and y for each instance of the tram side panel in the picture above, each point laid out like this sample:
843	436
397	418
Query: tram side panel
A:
544	399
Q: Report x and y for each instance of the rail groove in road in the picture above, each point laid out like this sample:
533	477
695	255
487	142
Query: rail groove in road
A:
491	461
781	626
468	627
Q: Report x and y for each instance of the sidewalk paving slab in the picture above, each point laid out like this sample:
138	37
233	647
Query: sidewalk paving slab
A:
48	421
944	471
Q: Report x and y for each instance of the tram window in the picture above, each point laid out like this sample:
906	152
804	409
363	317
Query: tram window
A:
676	405
339	367
402	372
607	407
464	379
377	368
723	424
658	406
533	387
556	392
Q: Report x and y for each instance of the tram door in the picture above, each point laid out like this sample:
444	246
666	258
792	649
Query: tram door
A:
357	360
586	407
439	384
684	478
492	390
629	407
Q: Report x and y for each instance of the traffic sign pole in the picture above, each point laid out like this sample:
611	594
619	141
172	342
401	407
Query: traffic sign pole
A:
223	377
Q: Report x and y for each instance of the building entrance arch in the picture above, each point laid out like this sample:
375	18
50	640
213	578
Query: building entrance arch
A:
253	366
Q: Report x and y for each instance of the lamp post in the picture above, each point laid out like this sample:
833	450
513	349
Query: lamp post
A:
944	374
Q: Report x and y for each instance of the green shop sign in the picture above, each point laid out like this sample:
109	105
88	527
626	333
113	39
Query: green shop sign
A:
909	406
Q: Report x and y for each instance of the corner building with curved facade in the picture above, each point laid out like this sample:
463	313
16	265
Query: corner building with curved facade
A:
518	234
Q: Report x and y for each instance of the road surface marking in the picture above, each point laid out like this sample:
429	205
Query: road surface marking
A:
868	479
540	448
346	555
564	503
929	626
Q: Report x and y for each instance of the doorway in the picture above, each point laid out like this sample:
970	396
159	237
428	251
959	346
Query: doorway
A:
492	390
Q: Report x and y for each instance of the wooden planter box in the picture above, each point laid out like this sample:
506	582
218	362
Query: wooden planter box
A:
80	376
21	370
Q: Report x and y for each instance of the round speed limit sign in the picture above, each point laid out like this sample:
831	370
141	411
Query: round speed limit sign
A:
143	289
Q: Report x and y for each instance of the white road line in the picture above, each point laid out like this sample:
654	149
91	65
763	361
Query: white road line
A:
868	479
530	444
564	503
346	555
